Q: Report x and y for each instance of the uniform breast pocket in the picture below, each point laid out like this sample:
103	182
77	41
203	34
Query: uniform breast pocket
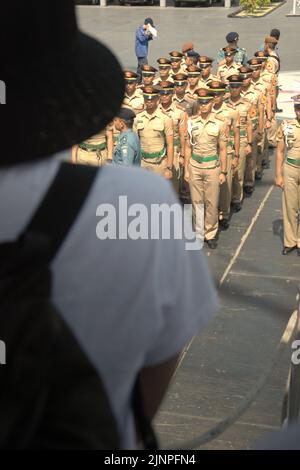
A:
158	128
140	126
212	135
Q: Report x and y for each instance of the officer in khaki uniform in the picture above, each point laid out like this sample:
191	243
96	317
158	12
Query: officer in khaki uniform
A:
271	80
165	74
179	118
148	75
263	89
193	73
256	108
288	178
180	97
230	67
133	97
205	165
205	65
155	130
235	100
231	118
96	150
176	59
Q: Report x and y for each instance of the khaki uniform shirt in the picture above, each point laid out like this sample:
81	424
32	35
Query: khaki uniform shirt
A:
231	117
188	105
253	98
152	130
178	118
135	102
243	108
168	79
190	94
289	132
272	65
205	136
203	82
97	139
224	71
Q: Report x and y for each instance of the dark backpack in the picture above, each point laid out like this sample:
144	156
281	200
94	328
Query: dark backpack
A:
51	396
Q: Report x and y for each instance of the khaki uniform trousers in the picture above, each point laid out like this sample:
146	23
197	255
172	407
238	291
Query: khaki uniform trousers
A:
239	174
226	190
291	205
251	161
91	158
205	191
157	166
262	152
271	133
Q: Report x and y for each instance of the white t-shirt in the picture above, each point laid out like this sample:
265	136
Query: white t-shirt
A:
131	303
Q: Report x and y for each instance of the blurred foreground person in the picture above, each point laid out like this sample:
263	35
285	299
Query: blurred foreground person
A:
132	303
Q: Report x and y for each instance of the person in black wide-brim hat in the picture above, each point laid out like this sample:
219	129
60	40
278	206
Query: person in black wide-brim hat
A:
62	86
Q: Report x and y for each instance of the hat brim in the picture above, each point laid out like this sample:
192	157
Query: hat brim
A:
60	101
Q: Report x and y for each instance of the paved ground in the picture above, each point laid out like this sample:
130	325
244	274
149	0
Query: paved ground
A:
206	27
258	292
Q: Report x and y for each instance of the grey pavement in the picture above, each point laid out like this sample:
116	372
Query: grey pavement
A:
225	362
206	27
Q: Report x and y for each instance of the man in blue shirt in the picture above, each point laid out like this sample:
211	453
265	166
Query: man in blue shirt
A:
142	38
127	151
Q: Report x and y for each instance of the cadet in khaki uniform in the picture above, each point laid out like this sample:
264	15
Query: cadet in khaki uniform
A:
164	67
205	165
96	150
271	79
263	89
256	108
155	130
230	67
288	178
179	118
180	97
148	75
205	65
193	73
273	62
133	97
235	100
176	59
231	118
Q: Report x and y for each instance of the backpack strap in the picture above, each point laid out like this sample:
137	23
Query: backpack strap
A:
59	208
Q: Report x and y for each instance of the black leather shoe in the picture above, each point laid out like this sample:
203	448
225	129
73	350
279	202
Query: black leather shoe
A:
286	250
298	251
248	191
212	244
224	224
277	110
236	207
258	175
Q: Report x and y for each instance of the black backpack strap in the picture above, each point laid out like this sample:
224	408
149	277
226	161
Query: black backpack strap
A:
59	208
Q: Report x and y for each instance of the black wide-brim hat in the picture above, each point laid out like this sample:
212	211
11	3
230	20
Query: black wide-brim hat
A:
62	86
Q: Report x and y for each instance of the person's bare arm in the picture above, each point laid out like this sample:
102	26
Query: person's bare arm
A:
109	143
154	382
74	153
279	162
